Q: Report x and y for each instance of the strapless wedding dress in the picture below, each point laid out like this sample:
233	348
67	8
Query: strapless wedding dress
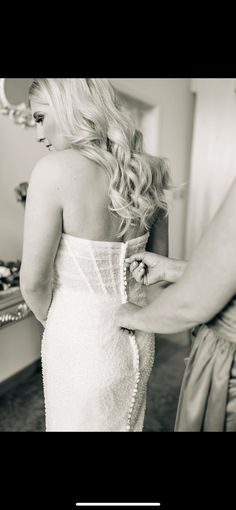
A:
94	374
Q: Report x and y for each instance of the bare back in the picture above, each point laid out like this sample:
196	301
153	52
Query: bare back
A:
84	192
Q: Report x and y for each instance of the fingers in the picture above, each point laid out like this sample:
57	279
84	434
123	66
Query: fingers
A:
135	264
135	257
138	272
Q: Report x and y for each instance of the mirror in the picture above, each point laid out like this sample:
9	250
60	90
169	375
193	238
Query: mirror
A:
13	100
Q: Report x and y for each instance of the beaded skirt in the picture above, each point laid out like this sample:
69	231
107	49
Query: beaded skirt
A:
94	375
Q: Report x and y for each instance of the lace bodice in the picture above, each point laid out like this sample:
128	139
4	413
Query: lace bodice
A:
96	267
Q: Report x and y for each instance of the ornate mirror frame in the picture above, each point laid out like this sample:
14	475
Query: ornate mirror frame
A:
20	113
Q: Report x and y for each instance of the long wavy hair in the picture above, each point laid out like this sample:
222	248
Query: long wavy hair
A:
90	116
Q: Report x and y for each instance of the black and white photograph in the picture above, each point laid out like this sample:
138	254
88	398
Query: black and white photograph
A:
117	255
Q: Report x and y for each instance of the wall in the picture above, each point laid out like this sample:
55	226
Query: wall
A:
19	151
20	345
175	103
213	160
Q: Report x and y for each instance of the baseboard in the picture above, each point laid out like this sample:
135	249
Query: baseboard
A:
21	376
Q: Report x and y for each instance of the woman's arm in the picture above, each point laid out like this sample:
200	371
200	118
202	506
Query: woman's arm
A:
207	285
42	233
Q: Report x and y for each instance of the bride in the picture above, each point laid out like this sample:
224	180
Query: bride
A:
96	199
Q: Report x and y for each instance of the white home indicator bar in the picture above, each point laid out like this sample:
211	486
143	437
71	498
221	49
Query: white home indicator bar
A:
118	504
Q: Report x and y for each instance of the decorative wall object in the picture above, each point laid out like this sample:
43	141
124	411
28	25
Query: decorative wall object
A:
13	100
21	192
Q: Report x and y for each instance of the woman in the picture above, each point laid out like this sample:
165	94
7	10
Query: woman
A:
203	296
94	200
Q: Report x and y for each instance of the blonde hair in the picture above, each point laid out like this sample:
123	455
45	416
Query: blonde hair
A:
90	116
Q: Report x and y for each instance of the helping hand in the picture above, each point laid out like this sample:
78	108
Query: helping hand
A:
125	316
147	267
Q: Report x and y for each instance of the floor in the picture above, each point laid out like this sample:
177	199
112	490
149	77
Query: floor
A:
22	408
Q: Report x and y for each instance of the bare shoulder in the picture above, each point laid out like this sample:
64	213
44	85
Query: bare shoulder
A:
62	169
64	164
54	163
